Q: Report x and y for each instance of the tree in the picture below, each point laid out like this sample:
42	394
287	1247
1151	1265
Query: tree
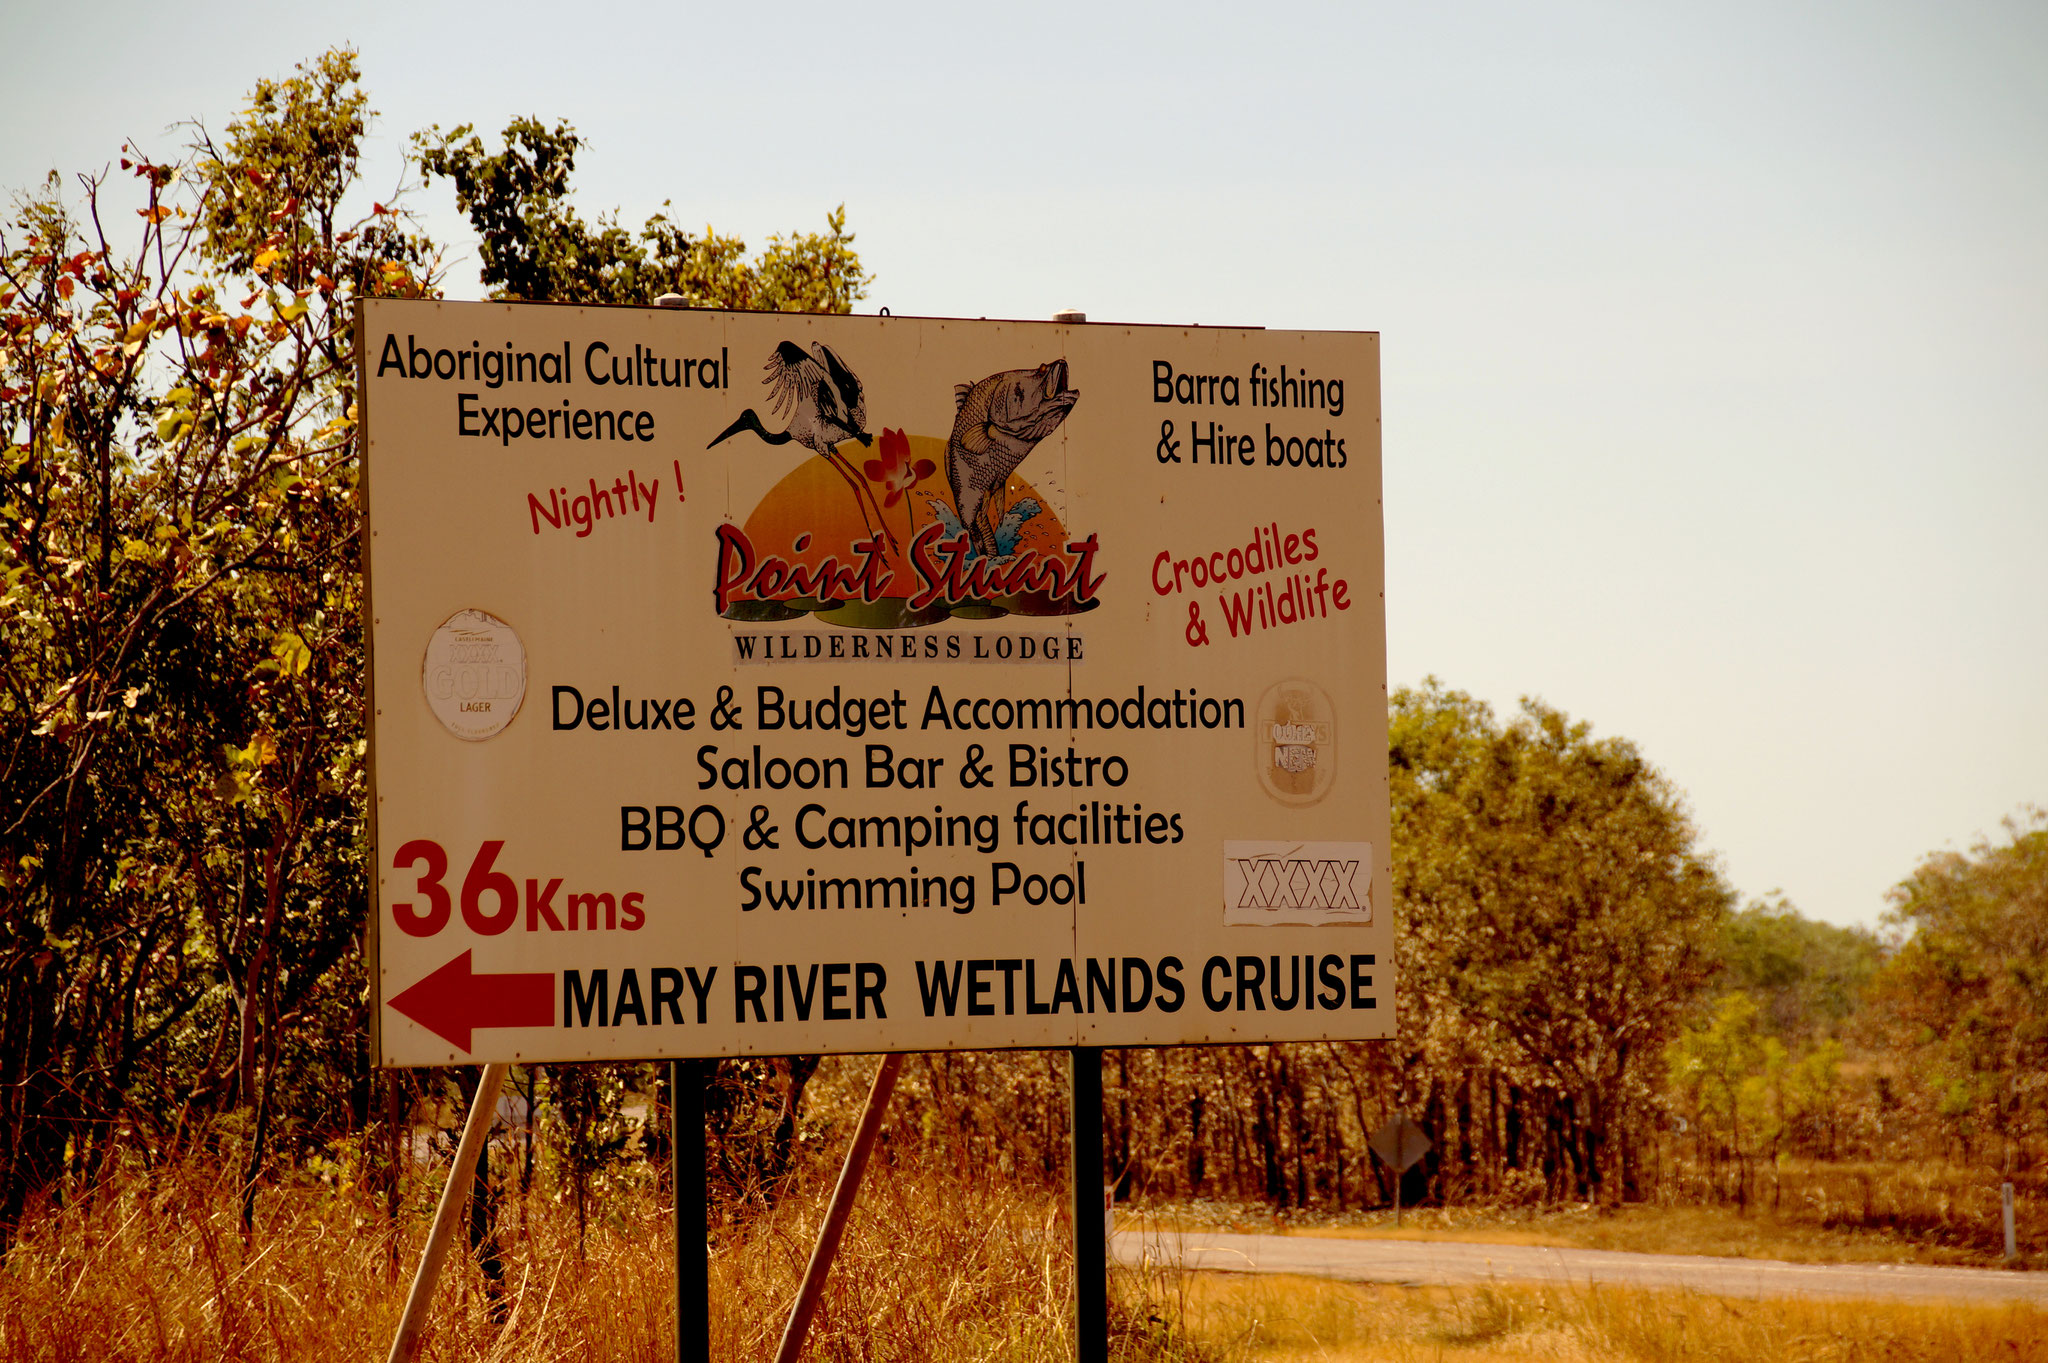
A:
181	750
1760	1075
1557	924
1746	1097
536	246
1806	977
1724	1070
180	742
1965	996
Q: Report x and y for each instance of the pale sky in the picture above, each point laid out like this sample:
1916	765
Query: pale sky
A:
1714	338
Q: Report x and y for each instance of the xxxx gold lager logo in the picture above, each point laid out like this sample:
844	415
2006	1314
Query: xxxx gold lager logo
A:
1295	741
474	675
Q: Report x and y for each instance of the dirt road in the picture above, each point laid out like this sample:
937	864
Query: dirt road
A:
1441	1263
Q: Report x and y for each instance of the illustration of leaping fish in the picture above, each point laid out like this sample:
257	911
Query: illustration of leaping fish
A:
996	423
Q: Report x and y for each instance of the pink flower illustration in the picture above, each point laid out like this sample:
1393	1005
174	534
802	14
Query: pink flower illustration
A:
893	470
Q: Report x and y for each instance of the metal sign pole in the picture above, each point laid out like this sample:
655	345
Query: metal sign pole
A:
1091	1245
454	1195
1091	1250
686	1140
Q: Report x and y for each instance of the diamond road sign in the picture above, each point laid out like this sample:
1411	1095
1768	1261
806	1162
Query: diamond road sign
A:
1400	1142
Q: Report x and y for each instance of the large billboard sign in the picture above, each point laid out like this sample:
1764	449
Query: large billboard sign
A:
755	683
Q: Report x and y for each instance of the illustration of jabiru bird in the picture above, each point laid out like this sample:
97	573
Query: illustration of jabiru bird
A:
825	406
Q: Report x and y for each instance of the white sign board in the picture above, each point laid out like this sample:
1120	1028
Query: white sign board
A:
754	683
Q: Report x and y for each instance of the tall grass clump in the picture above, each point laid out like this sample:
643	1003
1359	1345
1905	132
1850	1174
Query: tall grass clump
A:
938	1263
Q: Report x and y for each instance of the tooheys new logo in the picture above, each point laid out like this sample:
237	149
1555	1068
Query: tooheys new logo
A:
980	542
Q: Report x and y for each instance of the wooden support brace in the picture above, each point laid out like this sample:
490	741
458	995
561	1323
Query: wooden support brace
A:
454	1199
842	1204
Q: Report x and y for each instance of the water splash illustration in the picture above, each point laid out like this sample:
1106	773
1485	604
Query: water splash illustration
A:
1008	531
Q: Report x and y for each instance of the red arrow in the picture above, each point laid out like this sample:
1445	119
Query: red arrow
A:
451	1001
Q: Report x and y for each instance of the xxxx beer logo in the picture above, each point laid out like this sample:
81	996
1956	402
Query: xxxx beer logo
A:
1322	883
1300	882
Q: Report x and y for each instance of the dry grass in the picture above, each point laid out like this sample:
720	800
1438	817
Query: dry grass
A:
1243	1319
940	1264
1721	1231
1844	1213
934	1266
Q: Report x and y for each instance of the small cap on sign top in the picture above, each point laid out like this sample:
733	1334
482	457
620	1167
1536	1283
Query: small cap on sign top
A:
1070	316
671	300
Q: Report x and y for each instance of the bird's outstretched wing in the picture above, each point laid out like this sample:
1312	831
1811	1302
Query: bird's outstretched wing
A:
845	382
791	373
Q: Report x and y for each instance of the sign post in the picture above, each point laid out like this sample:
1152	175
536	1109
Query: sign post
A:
2012	1249
1091	1247
1399	1142
760	684
687	1080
